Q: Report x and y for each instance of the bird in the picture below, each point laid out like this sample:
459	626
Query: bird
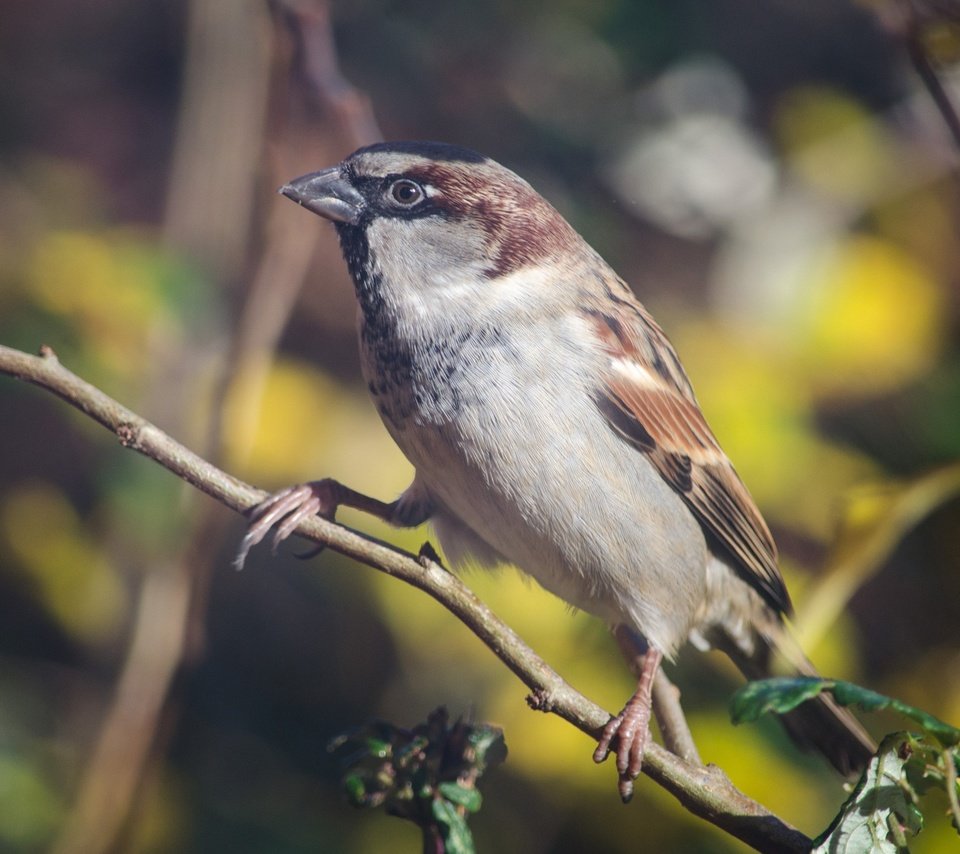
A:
550	425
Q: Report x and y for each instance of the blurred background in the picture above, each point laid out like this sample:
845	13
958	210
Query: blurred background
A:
773	179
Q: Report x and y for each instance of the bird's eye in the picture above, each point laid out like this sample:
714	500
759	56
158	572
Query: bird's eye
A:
405	192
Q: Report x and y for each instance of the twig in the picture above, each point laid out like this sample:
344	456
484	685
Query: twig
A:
114	774
210	210
275	286
909	21
851	565
931	80
350	108
950	772
673	723
209	213
704	791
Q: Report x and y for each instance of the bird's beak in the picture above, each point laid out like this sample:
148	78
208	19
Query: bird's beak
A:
328	194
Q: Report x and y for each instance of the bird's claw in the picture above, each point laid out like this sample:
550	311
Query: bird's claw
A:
631	729
283	512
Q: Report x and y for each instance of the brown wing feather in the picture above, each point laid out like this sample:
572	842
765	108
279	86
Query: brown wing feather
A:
649	401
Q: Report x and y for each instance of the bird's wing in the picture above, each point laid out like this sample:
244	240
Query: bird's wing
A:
648	400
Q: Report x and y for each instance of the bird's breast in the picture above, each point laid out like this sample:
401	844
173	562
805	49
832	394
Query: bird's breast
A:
504	433
420	381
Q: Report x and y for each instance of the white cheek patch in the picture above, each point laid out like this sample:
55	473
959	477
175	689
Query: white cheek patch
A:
425	259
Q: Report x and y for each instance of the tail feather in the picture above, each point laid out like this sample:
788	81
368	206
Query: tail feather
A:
819	723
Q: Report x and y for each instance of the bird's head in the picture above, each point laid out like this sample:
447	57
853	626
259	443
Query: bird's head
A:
433	215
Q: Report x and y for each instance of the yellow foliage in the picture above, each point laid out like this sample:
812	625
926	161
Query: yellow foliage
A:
763	772
276	415
416	620
760	420
286	422
921	222
836	653
430	641
31	808
74	579
762	414
873	319
545	748
98	282
832	142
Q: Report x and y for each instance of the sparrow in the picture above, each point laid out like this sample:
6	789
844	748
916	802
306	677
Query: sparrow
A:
550	424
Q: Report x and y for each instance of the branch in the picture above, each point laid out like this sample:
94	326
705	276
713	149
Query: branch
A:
349	108
704	791
911	22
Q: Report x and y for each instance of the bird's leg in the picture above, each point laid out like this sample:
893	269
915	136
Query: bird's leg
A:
283	511
666	707
631	727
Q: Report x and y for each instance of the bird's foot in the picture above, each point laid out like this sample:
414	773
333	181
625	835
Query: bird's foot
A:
631	729
283	511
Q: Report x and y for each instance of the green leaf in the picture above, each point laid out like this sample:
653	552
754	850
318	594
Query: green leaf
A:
454	828
783	694
410	752
31	809
848	694
378	747
489	744
879	815
416	773
468	798
356	790
779	695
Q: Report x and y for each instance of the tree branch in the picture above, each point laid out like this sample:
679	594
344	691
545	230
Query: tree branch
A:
673	723
910	22
704	791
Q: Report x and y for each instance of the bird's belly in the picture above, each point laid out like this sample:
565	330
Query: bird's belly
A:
568	502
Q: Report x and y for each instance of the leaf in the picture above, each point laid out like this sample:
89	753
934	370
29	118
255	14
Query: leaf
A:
879	814
379	748
848	694
783	694
453	826
31	809
427	775
468	798
778	695
356	790
489	744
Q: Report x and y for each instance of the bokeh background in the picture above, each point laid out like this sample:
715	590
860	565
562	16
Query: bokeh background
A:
772	178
